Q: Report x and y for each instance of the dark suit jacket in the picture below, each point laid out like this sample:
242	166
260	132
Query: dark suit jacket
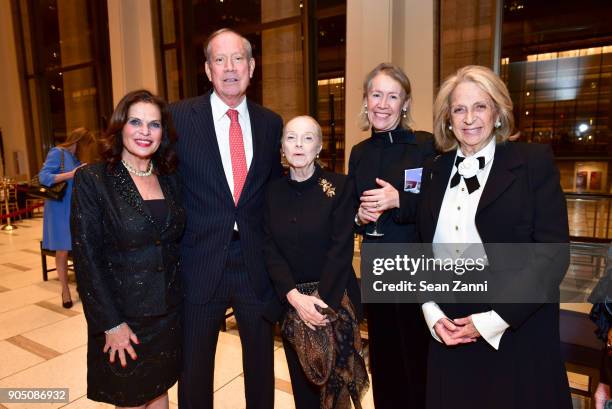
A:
126	263
522	202
386	158
208	201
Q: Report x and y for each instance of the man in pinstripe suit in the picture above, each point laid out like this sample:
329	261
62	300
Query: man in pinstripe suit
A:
228	149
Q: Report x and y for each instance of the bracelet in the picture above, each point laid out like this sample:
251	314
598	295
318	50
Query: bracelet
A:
357	222
113	329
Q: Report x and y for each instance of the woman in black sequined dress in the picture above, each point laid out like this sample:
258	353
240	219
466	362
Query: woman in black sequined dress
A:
126	223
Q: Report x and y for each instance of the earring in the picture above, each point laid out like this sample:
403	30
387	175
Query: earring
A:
404	112
365	109
498	123
317	156
450	127
283	154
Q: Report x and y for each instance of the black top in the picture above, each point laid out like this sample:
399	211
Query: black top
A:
126	264
158	209
309	236
386	155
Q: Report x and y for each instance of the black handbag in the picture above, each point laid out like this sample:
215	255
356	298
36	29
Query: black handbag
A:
54	192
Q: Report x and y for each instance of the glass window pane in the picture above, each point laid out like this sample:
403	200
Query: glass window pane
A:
172	76
80	99
167	7
26	33
74	32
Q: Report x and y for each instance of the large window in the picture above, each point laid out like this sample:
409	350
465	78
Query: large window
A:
557	63
63	47
299	49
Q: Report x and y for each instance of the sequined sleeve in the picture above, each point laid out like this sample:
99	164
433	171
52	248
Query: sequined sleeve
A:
89	252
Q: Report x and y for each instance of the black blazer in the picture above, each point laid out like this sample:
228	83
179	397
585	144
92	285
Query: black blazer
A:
522	202
386	155
309	237
208	201
126	263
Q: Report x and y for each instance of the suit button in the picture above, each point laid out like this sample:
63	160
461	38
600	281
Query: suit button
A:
157	242
160	268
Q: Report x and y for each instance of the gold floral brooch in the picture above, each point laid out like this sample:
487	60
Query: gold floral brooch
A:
328	188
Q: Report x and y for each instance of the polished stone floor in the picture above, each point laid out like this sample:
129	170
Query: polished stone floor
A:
43	345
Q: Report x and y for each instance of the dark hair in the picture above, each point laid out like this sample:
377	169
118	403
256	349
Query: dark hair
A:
111	144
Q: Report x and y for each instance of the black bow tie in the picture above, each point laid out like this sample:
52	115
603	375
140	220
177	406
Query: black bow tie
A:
472	182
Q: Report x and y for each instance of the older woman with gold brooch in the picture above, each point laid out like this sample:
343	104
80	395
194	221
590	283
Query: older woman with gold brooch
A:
492	354
308	222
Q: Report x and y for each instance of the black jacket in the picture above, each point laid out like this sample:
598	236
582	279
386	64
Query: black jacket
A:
309	237
126	264
522	202
386	155
208	201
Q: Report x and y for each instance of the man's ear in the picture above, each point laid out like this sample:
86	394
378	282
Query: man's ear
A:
207	70
251	67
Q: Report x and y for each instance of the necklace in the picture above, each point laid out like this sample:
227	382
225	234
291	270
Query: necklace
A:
137	172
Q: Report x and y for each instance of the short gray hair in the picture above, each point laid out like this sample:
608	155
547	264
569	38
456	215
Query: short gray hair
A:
246	43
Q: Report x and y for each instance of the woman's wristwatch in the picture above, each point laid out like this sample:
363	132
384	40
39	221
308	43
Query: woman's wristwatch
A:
357	222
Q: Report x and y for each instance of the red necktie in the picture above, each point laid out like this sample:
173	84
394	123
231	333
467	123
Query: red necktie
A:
239	164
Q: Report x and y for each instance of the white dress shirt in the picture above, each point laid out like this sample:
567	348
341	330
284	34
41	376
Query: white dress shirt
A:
457	229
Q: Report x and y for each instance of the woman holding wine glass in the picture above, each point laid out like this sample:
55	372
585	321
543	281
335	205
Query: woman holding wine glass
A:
386	170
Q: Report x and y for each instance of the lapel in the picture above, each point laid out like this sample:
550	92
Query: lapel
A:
440	173
170	196
204	125
501	177
126	188
258	133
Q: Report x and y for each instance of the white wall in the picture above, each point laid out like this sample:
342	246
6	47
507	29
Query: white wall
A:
132	47
397	31
11	111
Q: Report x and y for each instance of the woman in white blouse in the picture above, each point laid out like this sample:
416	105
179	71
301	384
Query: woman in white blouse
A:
486	189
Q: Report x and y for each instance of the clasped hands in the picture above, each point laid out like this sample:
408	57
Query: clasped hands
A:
457	331
305	307
376	201
119	342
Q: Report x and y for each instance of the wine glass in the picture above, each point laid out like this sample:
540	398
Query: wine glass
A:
375	232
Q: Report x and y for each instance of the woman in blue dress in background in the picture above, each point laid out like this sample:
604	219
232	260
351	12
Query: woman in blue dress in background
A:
56	223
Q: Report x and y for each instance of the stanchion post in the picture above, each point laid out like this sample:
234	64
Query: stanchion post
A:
8	226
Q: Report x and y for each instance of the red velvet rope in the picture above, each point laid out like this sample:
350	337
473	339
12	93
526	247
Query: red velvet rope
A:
21	211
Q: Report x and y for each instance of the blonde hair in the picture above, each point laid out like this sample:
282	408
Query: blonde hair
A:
82	137
490	83
318	131
394	72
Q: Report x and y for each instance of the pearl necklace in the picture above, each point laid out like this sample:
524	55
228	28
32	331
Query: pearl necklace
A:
137	172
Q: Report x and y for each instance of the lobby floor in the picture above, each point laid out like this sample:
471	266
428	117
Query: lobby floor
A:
43	345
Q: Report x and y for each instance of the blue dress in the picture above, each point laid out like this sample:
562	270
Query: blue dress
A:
56	223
